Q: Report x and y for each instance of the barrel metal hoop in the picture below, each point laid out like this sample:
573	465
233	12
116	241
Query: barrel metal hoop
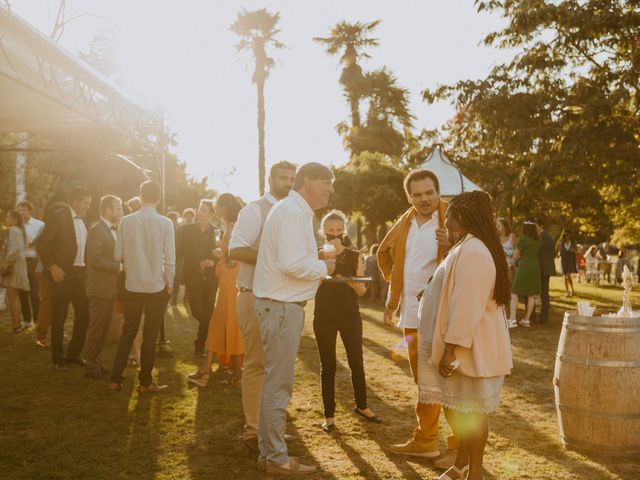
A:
599	363
633	322
604	415
614	449
584	328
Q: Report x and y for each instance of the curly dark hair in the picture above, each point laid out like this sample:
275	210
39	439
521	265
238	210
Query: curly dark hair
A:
475	213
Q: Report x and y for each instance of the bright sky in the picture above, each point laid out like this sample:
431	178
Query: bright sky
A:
180	56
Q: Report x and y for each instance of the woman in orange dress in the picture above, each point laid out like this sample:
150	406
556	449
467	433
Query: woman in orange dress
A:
224	338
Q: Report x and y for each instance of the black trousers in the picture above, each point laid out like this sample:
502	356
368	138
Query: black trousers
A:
153	306
544	299
70	290
326	331
201	293
30	301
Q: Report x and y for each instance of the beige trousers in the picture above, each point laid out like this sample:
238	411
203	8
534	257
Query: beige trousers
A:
253	366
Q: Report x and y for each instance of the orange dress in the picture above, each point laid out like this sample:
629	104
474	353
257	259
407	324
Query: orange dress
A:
224	336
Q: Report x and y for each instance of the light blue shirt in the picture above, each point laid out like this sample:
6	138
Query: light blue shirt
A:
146	246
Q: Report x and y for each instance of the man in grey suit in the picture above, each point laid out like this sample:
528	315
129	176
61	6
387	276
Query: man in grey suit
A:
102	278
547	261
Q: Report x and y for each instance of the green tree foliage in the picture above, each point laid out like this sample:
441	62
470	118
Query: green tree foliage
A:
257	30
556	131
388	116
370	186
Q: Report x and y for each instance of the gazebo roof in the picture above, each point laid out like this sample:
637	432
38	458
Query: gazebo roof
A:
452	181
46	90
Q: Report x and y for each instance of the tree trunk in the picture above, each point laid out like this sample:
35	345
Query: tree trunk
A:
354	104
261	154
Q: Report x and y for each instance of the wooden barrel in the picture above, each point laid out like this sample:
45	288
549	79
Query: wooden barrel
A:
597	384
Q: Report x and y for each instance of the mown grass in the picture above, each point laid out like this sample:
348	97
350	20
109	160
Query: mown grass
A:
63	426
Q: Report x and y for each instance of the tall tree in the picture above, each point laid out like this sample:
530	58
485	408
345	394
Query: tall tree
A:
388	116
350	41
257	30
557	129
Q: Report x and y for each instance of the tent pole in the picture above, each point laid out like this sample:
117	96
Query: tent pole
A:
164	147
21	164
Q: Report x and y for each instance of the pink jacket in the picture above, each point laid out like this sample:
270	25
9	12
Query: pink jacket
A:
469	317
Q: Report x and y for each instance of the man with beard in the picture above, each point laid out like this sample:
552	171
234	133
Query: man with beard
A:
408	257
243	248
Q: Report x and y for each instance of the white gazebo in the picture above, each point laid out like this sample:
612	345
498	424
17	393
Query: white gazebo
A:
452	181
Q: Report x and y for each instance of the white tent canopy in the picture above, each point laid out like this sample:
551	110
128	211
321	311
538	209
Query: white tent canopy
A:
452	181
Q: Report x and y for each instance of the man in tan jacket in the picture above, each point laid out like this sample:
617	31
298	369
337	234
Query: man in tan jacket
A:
408	257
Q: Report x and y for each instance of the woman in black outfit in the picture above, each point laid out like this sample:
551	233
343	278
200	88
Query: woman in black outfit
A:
336	310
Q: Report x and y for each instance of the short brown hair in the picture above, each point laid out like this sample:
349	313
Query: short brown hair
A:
150	191
281	165
78	194
26	204
209	204
313	171
108	201
417	175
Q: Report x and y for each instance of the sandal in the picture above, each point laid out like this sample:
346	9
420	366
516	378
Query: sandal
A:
201	381
198	374
19	329
462	472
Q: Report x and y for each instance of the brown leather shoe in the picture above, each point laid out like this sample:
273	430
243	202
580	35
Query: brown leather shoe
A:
415	449
115	387
152	388
293	468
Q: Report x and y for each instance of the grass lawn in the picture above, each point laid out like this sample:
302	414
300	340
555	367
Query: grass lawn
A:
63	426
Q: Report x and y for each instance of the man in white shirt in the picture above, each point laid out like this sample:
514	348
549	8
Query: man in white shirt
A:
30	301
288	273
243	247
61	248
146	246
408	257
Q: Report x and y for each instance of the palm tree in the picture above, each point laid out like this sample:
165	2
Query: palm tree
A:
351	39
257	30
388	118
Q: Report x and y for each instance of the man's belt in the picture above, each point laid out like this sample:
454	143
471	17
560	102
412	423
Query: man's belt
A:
302	304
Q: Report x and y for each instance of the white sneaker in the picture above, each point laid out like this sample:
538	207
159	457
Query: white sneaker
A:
525	323
512	323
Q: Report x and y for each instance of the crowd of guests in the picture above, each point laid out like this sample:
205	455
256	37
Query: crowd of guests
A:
451	275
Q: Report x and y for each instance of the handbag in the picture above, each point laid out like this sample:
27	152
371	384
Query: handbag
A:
6	271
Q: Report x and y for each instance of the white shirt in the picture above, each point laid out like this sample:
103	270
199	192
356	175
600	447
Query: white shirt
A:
114	233
81	238
146	245
420	263
33	228
249	223
288	268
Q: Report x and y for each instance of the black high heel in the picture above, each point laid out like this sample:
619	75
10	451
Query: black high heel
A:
374	419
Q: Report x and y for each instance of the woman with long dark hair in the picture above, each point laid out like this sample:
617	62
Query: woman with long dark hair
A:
14	267
465	347
527	281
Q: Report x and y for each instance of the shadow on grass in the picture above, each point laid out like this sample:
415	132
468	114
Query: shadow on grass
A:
309	356
518	430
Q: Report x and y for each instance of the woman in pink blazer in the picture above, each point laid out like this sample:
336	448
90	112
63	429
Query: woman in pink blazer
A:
471	349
